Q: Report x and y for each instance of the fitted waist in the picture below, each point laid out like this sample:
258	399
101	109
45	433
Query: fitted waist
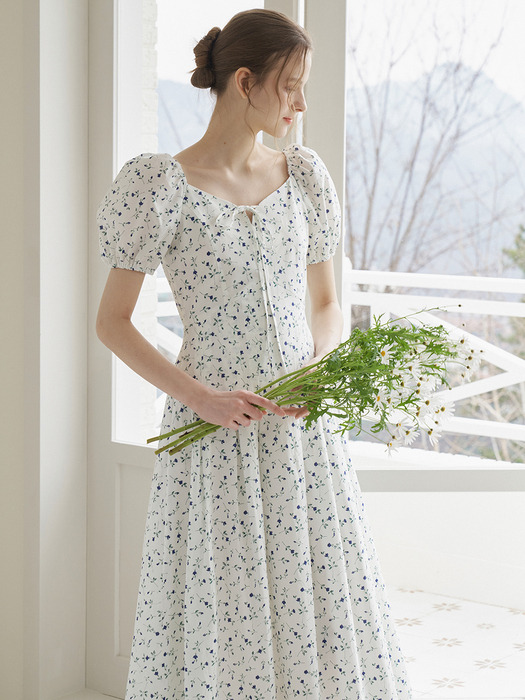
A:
244	342
230	363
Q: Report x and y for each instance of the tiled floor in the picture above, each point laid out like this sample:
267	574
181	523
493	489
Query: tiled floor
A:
459	649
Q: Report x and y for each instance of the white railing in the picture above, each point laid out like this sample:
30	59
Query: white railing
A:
167	340
370	294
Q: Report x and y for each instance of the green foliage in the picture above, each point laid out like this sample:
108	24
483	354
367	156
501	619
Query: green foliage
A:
517	254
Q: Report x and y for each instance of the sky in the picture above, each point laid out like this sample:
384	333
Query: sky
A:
181	24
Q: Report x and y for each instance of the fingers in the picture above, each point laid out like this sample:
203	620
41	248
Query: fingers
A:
293	411
297	411
253	412
290	410
241	421
235	409
256	405
248	410
255	401
247	407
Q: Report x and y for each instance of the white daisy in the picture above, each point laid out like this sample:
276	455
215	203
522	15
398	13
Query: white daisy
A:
444	411
461	345
405	430
410	433
382	398
414	369
393	443
425	385
433	434
384	354
427	406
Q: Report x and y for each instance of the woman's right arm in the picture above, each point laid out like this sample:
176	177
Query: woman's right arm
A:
115	329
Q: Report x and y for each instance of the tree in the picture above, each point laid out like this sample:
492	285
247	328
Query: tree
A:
433	165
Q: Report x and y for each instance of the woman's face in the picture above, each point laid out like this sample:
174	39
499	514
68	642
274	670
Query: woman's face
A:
276	102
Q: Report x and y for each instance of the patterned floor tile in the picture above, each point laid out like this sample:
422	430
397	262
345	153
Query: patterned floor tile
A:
460	650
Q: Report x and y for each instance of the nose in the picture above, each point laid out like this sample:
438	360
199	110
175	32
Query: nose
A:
300	103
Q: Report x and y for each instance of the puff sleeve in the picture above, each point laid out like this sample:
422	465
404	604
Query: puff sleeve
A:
138	217
321	203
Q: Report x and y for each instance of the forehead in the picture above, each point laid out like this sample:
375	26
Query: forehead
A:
297	67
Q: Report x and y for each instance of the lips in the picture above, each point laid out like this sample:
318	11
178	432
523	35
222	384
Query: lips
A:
288	119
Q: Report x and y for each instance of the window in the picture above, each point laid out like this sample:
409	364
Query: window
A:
434	198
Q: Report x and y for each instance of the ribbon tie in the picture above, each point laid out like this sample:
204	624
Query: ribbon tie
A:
226	218
262	244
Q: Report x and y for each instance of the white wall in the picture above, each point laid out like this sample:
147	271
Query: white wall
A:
467	545
44	296
12	364
446	524
63	343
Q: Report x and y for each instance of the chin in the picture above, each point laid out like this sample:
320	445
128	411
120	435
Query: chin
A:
275	133
279	131
283	131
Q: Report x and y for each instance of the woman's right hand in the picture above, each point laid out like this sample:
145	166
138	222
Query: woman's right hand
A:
233	409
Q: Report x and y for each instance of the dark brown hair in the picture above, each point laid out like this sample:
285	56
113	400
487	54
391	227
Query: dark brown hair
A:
255	39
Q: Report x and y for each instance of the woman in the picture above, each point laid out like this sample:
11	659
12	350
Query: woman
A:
259	574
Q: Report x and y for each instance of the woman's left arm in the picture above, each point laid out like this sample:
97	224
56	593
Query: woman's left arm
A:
326	315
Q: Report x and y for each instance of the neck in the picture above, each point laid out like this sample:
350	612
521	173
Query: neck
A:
228	141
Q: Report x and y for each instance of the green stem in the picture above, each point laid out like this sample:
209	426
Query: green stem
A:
296	372
181	445
195	433
415	313
175	431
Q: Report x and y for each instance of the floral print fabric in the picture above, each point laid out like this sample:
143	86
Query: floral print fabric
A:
259	577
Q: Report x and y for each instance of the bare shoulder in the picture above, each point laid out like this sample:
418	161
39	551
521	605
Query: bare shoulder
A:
273	158
191	159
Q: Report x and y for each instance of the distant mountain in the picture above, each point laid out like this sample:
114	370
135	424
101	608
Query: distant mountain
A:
455	216
184	113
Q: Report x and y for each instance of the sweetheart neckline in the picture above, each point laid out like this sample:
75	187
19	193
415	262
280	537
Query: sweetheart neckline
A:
227	201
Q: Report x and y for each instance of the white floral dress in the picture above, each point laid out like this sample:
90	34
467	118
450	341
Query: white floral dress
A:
259	577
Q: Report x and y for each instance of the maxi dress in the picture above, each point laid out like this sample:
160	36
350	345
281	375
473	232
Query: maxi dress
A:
259	578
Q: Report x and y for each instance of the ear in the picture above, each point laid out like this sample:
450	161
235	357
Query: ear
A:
243	80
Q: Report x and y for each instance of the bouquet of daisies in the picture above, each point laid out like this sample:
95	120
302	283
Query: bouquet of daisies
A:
387	375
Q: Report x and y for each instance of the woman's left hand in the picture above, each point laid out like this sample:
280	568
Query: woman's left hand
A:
296	411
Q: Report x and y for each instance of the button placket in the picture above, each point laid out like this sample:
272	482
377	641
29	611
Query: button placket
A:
226	220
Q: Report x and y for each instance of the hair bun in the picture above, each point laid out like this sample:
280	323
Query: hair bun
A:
203	75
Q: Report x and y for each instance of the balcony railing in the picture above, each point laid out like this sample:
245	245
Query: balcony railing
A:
373	290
